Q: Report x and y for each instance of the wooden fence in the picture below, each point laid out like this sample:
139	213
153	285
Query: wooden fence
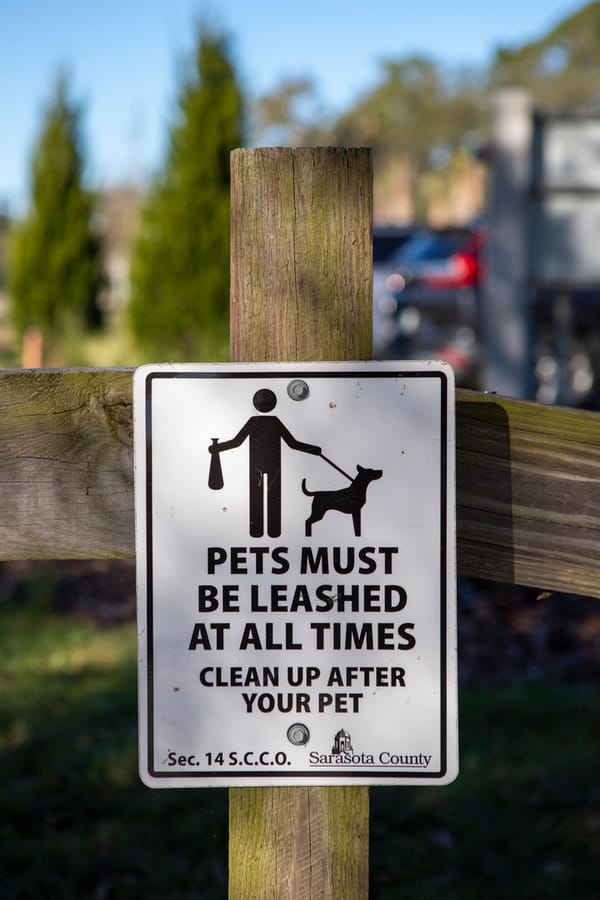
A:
528	479
528	476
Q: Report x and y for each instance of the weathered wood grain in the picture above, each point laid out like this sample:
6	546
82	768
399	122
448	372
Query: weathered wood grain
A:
298	835
528	493
301	285
301	236
66	464
528	479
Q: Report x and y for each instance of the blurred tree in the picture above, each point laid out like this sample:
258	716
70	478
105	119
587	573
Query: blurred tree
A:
291	115
561	69
54	270
417	119
180	269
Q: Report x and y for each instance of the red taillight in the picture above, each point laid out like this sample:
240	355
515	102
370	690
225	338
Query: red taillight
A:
462	270
458	359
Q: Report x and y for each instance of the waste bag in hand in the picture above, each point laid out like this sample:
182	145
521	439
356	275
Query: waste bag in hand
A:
215	473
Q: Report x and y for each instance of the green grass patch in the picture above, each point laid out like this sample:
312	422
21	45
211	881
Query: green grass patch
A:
521	821
75	821
523	818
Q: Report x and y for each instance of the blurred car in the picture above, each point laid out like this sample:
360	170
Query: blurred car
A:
566	346
429	299
387	240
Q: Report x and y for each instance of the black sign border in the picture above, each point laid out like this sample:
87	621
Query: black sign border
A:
330	773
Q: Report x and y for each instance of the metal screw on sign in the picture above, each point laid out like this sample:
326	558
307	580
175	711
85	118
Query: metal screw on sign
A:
297	389
298	734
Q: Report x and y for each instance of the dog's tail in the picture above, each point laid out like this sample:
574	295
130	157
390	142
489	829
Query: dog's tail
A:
305	489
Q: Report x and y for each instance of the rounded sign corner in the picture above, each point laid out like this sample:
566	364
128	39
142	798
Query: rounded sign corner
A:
295	545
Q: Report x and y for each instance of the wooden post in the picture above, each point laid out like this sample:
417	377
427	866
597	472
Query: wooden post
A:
301	287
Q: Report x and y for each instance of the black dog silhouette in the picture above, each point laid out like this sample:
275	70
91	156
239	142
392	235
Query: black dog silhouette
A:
347	500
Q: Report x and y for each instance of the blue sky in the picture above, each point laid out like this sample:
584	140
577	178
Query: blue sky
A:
122	57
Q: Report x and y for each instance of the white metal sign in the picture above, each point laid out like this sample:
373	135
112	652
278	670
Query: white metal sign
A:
296	573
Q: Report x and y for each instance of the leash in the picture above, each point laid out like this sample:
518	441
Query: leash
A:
349	477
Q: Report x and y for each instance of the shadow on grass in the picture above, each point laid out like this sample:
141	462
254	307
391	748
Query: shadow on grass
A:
523	818
75	821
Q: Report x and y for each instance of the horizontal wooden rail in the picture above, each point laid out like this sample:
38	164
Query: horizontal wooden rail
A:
528	479
66	464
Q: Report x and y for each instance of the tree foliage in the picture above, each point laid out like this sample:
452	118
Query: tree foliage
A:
424	120
55	271
292	115
560	70
416	118
417	115
180	272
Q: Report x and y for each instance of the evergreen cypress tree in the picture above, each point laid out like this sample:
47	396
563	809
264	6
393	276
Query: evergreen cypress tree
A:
54	270
180	269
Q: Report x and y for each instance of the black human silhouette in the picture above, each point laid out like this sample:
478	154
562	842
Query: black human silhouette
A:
265	434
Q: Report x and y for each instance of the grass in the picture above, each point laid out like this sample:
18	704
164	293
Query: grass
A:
522	820
74	819
112	345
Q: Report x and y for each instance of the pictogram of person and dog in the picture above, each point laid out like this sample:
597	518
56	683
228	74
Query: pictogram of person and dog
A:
265	434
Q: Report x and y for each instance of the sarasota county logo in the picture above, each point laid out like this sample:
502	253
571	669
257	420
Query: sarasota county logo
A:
341	754
342	743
